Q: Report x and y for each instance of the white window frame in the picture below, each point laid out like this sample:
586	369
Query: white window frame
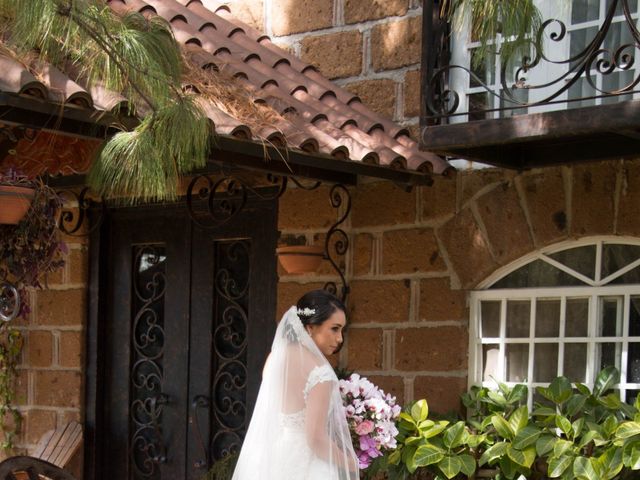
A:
461	45
596	289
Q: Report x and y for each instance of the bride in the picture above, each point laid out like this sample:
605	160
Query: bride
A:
298	430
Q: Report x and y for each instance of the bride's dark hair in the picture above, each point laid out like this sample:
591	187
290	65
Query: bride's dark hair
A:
322	303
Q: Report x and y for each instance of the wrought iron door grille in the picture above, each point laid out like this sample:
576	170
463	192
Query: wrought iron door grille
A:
582	55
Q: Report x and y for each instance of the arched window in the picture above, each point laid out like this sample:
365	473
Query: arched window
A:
570	310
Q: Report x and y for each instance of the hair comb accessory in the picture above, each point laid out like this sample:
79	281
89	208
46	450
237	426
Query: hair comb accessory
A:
306	312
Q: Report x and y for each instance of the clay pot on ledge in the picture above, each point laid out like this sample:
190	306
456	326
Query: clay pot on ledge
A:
14	203
299	259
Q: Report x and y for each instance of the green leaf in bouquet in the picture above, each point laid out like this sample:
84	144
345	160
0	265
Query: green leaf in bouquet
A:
454	434
427	455
519	419
606	379
436	429
408	458
395	456
563	424
493	452
420	410
407	418
450	465
545	444
631	455
467	464
413	440
610	463
628	429
502	427
586	468
558	465
426	424
526	437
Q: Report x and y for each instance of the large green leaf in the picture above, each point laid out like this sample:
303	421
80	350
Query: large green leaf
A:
395	457
527	436
508	467
605	380
586	468
610	425
454	434
493	452
450	466
559	391
610	463
502	427
420	410
561	447
611	401
545	444
435	430
519	419
558	465
576	427
467	464
564	424
474	440
590	436
631	456
427	455
408	457
524	457
574	404
628	429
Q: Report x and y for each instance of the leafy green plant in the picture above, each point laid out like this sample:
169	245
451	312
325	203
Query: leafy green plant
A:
572	433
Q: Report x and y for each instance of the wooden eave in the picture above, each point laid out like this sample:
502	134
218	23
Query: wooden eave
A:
542	139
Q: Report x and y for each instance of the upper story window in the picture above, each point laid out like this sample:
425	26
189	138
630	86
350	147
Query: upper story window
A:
569	310
588	58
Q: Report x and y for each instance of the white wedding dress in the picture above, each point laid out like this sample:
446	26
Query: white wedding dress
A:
298	430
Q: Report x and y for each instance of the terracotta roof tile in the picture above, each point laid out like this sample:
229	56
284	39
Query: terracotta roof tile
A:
315	114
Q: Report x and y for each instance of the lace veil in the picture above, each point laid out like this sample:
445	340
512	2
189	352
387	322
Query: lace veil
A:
298	386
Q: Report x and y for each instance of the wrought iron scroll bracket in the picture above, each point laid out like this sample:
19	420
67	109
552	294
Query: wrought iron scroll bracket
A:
336	244
73	215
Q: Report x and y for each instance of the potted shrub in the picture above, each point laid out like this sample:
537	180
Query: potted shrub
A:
16	195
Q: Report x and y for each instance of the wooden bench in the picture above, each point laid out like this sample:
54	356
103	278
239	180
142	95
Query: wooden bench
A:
54	451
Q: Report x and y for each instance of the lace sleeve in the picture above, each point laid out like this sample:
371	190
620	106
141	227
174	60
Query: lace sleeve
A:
322	373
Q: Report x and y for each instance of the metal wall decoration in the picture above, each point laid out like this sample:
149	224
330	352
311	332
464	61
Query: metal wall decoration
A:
229	386
75	206
336	243
147	373
441	102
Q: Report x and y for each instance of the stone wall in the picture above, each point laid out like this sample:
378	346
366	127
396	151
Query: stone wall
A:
370	47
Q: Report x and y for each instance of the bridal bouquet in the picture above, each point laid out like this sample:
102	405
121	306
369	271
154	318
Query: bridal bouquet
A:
371	415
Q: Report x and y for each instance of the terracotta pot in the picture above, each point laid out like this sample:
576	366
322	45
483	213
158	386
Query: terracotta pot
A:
14	203
300	259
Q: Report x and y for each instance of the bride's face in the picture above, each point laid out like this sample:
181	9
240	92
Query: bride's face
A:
328	335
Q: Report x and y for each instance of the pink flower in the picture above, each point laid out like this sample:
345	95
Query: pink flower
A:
365	427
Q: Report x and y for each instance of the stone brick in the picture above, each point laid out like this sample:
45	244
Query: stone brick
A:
325	267
337	55
356	11
593	191
382	204
470	183
40	348
70	354
362	252
22	387
435	349
370	299
628	223
438	302
365	349
410	251
56	277
38	422
379	95
289	293
438	200
442	393
505	223
79	265
301	209
61	307
466	248
396	44
295	16
249	12
412	93
390	384
58	388
546	203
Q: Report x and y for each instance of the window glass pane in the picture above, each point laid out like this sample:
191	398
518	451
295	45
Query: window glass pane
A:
633	363
477	103
615	256
545	368
577	317
608	355
579	39
629	278
581	259
634	317
631	396
610	318
518	318
584	10
490	362
517	362
537	274
490	319
575	361
485	72
581	89
547	318
513	98
633	7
